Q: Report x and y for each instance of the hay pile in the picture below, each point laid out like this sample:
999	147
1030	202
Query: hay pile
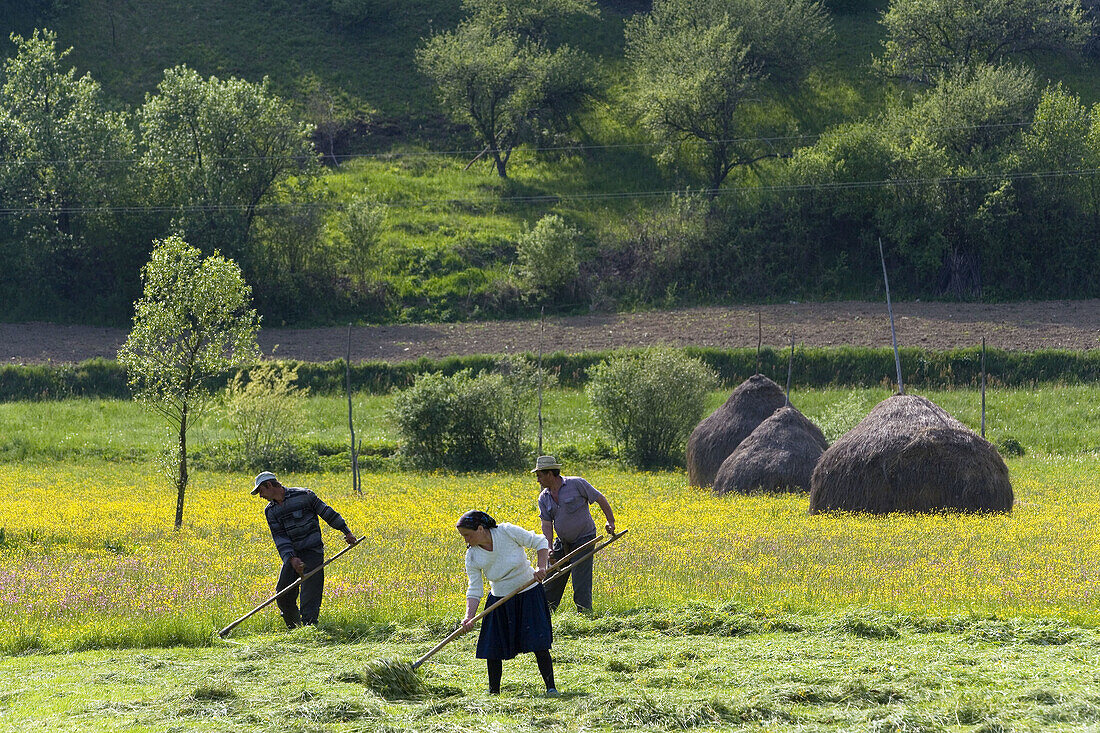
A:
778	456
393	679
722	431
910	455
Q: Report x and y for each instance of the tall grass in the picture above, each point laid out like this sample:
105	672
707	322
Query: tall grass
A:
90	558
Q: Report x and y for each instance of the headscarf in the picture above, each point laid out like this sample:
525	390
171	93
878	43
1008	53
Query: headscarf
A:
474	519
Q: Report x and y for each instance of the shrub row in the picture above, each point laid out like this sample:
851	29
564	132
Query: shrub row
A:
813	367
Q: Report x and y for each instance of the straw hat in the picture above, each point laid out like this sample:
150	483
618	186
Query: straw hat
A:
545	463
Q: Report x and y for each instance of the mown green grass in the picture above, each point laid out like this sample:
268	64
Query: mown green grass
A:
864	672
1060	420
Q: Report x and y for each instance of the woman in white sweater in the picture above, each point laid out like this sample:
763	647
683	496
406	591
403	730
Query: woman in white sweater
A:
522	624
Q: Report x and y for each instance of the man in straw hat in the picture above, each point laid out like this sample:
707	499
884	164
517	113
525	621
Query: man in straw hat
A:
563	508
292	517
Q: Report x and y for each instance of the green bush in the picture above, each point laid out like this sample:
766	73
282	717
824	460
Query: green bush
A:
359	226
649	402
462	422
547	258
264	407
1010	446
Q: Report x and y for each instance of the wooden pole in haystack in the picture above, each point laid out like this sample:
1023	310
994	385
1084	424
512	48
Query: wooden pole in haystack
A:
355	485
759	339
983	386
890	310
790	367
542	316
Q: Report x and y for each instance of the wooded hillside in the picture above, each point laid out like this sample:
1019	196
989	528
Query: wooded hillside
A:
378	161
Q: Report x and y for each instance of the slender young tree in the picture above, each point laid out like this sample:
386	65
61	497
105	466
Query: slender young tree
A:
193	323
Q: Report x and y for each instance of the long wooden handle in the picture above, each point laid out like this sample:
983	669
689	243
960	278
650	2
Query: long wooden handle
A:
554	570
225	632
550	576
461	630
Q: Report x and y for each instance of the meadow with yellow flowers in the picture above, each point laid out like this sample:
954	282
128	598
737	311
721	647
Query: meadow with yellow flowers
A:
90	558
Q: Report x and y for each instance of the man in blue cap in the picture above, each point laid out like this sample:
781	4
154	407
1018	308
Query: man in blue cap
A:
292	517
563	509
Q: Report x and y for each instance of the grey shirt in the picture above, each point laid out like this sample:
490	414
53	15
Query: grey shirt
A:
570	514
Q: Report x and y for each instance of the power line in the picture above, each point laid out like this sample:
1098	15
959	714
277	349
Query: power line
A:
391	155
554	198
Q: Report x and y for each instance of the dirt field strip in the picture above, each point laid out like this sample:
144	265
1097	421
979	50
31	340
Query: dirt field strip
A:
1059	324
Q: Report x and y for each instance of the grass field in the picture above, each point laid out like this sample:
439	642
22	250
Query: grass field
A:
807	674
1060	420
713	612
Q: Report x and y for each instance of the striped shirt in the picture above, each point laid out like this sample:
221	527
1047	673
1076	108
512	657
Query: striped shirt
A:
294	525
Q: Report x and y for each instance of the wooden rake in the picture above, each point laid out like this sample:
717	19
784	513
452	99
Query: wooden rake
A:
225	632
563	565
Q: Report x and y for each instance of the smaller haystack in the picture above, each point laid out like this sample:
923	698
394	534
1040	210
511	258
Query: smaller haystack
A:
910	455
778	456
718	434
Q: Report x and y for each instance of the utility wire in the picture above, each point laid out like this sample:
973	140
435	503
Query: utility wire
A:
391	155
554	198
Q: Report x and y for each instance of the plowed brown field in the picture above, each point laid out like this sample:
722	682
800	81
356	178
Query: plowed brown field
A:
1012	326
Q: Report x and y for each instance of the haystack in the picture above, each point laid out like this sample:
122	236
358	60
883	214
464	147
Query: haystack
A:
778	456
910	455
717	435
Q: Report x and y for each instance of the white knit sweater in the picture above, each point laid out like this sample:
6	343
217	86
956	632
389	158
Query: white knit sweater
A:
507	566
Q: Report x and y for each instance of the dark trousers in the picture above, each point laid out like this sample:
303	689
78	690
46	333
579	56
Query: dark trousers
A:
581	574
311	590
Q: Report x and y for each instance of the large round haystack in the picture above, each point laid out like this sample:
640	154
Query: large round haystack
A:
909	455
778	456
718	434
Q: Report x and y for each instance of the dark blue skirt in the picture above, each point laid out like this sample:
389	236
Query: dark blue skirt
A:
522	624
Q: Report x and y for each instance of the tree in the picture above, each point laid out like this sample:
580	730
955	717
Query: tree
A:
215	151
1056	198
932	178
360	226
930	38
63	172
495	73
951	146
193	323
527	19
698	69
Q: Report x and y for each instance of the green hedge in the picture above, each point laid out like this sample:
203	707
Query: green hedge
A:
92	378
813	367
